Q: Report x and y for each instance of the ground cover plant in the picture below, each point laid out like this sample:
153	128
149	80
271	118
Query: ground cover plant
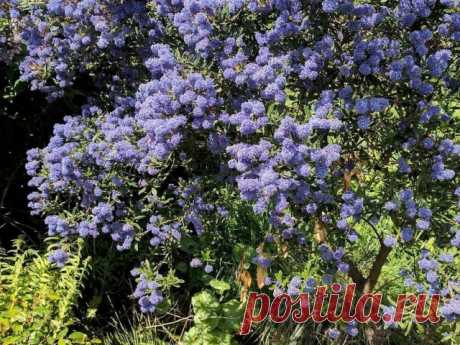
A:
215	147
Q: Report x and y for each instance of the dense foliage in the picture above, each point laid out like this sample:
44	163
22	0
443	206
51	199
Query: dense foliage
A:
36	301
335	121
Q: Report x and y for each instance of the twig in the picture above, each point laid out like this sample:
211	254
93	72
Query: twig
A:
171	322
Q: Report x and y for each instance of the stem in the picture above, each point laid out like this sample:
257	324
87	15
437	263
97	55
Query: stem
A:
363	284
375	336
376	269
356	275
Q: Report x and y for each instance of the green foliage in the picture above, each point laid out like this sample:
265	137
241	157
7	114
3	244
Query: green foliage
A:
28	4
36	299
220	285
141	330
214	322
133	337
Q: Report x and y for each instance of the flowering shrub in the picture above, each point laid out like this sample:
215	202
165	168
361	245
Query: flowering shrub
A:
6	38
336	120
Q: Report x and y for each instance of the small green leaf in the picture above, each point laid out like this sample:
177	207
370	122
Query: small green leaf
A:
220	285
10	340
78	337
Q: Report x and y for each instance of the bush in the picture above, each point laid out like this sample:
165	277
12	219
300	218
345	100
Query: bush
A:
335	121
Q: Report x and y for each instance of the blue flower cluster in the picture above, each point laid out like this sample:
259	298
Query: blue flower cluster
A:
58	257
8	14
451	310
148	293
65	38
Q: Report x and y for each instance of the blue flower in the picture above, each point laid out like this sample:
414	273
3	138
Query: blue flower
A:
422	224
407	234
58	257
389	241
364	122
195	263
333	333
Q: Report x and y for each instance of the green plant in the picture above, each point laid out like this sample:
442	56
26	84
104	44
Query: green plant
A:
140	330
214	322
133	337
37	299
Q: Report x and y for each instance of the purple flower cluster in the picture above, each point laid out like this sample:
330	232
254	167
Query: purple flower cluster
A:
251	117
166	107
336	257
410	11
162	232
451	26
9	45
266	75
65	38
451	310
148	293
58	257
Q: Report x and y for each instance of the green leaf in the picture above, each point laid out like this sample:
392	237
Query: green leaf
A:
220	285
78	337
204	301
12	340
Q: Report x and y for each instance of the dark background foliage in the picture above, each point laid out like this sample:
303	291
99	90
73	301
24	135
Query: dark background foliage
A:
26	121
